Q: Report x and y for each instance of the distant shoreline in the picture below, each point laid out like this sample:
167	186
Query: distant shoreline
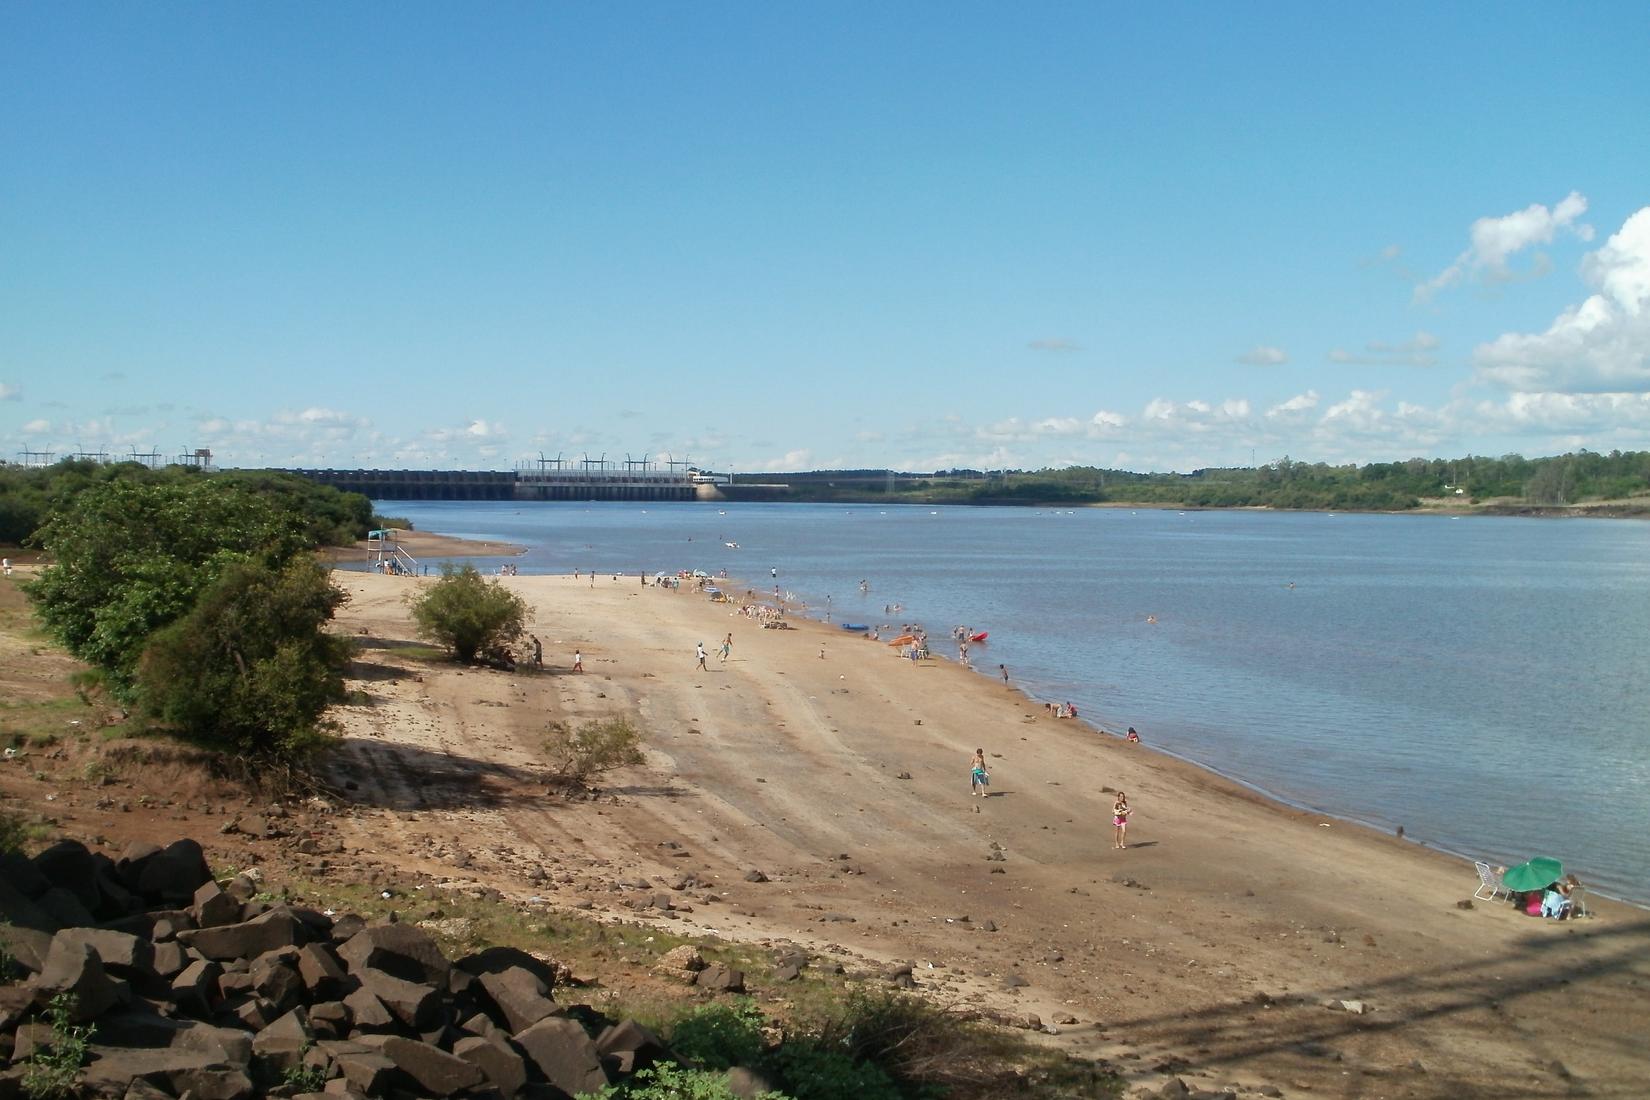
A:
427	544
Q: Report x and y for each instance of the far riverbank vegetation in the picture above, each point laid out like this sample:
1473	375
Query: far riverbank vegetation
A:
1583	482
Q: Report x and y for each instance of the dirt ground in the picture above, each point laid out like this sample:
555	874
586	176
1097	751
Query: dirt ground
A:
1219	945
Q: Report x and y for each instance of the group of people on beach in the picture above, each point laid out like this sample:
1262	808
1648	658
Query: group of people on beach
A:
979	784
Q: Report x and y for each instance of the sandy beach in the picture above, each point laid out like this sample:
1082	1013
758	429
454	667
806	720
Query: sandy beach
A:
1221	942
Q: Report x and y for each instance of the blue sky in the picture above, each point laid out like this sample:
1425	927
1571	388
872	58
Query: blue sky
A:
785	236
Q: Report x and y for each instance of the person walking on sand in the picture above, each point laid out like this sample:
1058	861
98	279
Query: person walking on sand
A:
7	562
979	780
538	652
699	651
1120	819
578	661
727	646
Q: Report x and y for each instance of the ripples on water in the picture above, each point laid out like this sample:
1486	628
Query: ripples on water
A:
1480	681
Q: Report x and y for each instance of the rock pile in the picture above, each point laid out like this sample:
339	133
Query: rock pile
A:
204	990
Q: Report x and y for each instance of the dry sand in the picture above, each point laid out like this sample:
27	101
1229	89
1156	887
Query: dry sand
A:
1210	946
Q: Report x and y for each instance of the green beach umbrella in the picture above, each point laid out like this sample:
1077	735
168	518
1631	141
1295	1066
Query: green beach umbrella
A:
1538	872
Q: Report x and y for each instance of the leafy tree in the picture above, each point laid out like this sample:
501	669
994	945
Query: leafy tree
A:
131	557
468	614
331	517
251	667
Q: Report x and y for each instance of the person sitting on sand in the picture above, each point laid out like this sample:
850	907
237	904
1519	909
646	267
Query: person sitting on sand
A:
978	778
1556	902
1120	819
1132	736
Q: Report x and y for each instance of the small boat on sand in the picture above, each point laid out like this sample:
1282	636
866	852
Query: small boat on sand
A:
858	628
904	639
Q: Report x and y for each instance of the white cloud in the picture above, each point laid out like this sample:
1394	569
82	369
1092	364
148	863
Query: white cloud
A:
1295	406
1264	355
1601	345
1496	240
474	431
36	427
800	459
1414	352
9	392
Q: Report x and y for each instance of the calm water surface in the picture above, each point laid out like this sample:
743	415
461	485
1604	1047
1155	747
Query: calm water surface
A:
1482	682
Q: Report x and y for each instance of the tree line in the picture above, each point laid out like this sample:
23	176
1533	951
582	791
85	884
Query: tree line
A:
1566	479
200	603
28	494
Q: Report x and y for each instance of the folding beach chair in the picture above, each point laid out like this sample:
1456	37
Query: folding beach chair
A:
1489	879
1578	902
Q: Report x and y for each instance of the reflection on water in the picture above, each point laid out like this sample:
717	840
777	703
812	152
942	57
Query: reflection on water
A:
1479	681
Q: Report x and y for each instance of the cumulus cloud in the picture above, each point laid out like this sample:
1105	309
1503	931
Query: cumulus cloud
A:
473	431
1054	343
1296	406
1494	241
1264	355
36	427
9	392
1600	345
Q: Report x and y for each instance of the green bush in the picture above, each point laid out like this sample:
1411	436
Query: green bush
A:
595	748
813	1072
129	558
51	1071
663	1081
468	614
251	668
12	832
720	1036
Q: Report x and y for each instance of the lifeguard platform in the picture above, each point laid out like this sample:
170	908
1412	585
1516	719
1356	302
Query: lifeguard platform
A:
387	555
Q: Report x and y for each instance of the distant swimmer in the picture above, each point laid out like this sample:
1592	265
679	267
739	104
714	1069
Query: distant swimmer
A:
1291	584
1151	620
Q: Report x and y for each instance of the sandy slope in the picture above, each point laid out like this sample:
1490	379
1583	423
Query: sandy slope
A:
1211	943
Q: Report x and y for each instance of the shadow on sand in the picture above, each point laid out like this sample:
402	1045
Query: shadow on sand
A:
1299	1027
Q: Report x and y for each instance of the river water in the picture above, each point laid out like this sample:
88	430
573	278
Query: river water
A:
1483	682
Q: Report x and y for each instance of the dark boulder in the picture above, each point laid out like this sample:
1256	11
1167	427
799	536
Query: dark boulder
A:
564	1054
399	949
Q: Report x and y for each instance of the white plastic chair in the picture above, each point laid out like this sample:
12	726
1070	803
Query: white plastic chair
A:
1489	879
1578	902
